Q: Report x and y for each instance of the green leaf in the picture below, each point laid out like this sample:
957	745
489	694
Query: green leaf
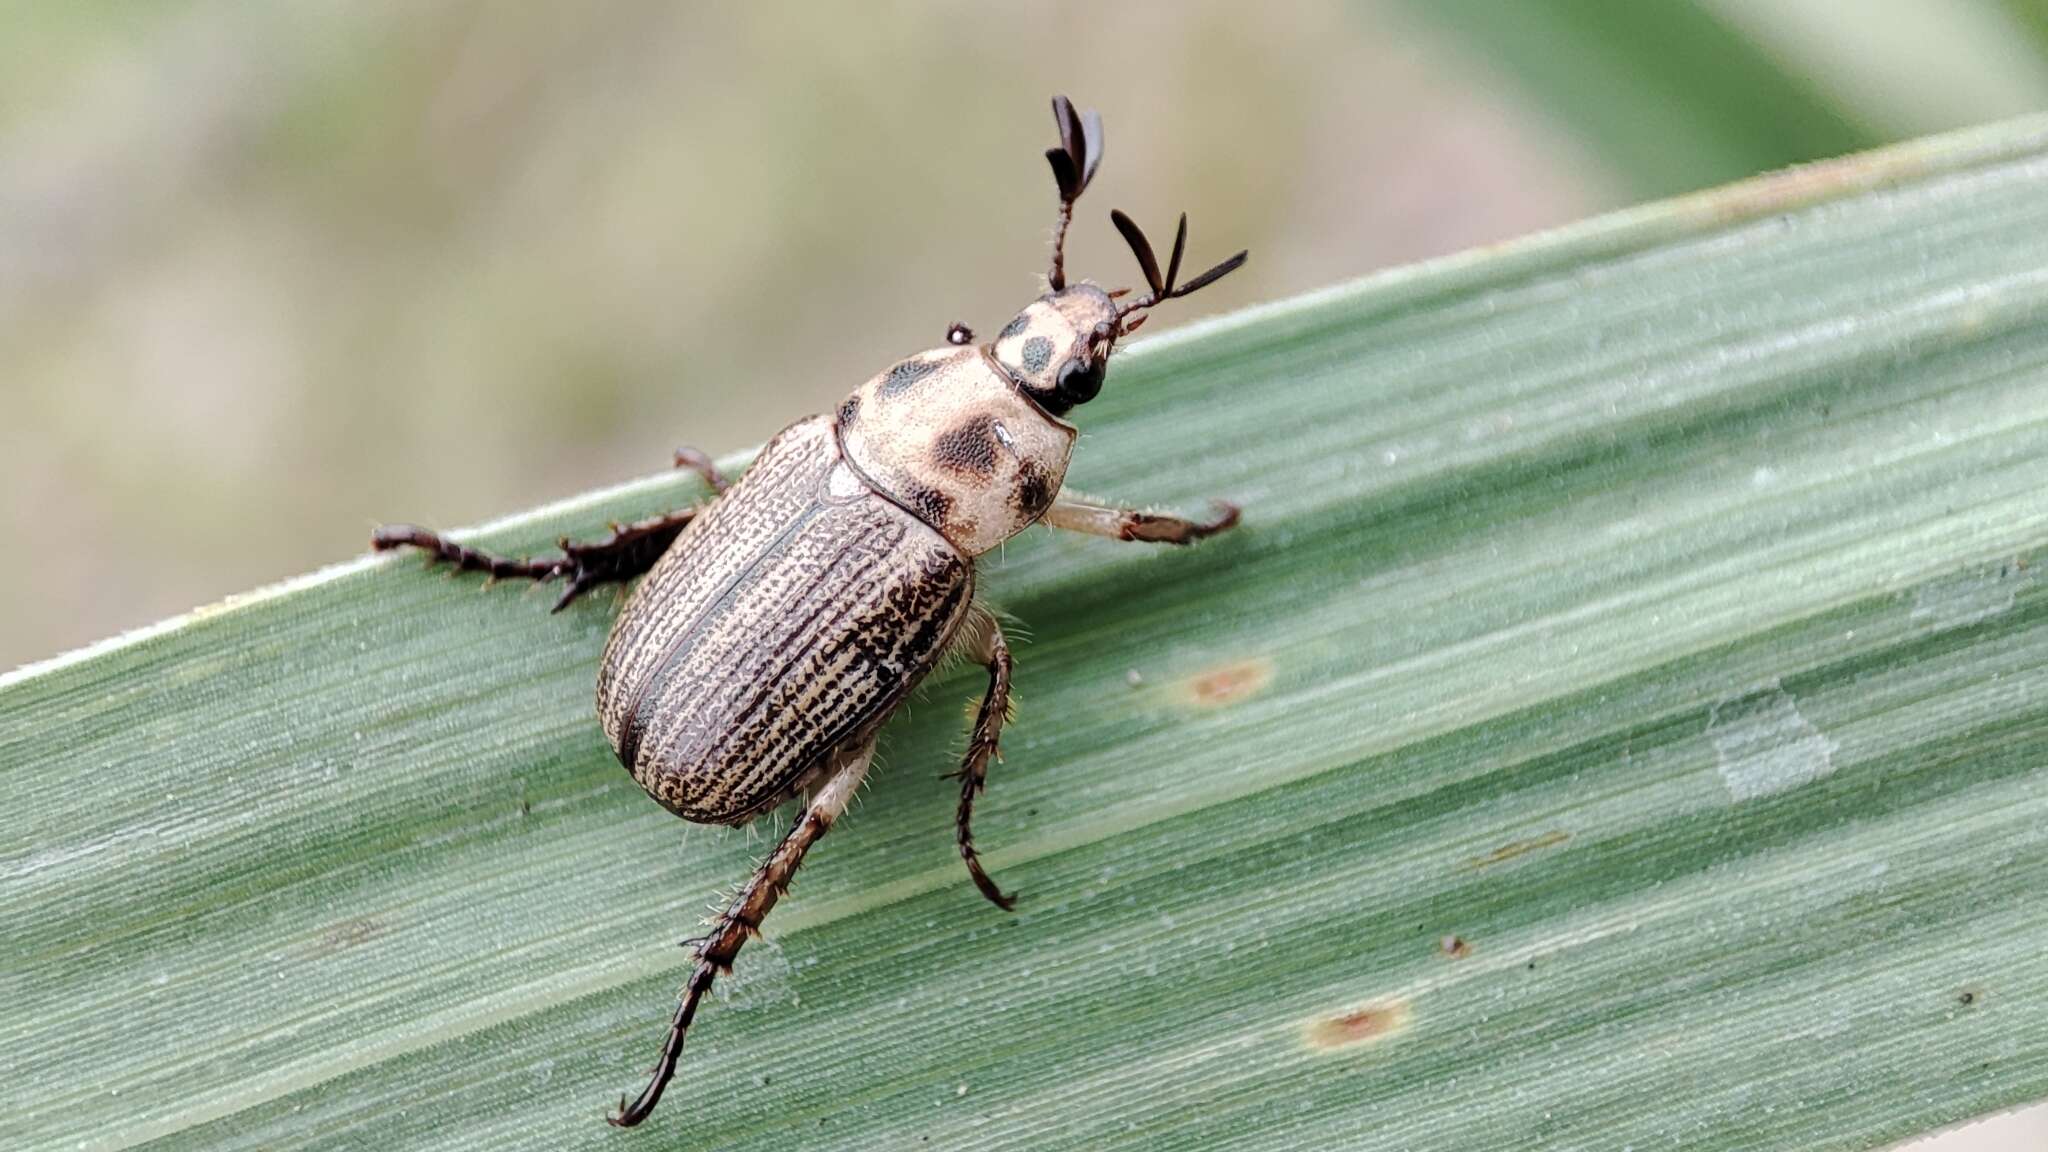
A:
1621	721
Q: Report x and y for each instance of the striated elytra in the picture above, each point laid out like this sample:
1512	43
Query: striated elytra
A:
781	623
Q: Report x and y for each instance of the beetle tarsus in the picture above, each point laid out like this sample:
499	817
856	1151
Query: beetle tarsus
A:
1070	513
464	559
1226	518
742	918
1157	528
982	746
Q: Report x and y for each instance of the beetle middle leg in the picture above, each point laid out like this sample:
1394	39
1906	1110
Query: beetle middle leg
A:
984	644
1074	514
703	466
742	918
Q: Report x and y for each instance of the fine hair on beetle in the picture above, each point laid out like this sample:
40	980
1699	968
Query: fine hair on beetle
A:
782	621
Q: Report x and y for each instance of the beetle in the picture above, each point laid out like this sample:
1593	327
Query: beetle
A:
781	623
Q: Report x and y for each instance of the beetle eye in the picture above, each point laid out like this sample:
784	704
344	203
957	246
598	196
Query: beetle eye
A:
1080	380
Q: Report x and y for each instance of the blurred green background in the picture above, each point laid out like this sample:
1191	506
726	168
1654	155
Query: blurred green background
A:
273	272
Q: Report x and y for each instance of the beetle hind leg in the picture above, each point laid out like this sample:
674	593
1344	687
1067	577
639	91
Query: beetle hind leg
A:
629	551
986	646
742	917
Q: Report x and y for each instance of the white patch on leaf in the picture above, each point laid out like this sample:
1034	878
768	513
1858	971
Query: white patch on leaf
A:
1763	745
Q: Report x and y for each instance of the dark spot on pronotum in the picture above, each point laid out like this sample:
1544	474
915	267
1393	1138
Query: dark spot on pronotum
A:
1014	327
1359	1026
1454	947
1037	354
1229	683
1034	489
1514	848
968	447
905	374
931	505
849	411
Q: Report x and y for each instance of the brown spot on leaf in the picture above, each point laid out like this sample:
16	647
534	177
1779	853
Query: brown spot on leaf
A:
1359	1026
1454	947
1514	848
1227	684
347	934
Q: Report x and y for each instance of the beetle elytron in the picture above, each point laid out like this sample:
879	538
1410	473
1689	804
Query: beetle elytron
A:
782	623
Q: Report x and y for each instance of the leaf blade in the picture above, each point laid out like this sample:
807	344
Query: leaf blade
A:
1653	603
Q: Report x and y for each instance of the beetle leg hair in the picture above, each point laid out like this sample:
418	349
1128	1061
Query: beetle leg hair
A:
1072	513
983	642
742	918
629	551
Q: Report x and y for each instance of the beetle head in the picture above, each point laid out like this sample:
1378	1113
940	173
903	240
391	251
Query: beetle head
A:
1056	349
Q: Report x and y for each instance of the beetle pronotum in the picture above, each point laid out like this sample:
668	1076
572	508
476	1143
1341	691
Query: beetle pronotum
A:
782	623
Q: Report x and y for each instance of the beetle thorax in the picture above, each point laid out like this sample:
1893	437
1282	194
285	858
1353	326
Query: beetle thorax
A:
949	436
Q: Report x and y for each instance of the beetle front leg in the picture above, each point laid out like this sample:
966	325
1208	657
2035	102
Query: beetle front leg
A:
986	646
1071	513
742	918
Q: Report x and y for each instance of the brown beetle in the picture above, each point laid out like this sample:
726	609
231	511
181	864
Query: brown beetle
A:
782	623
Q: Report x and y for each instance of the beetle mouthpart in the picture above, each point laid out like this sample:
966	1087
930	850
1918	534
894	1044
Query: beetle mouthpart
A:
1164	287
